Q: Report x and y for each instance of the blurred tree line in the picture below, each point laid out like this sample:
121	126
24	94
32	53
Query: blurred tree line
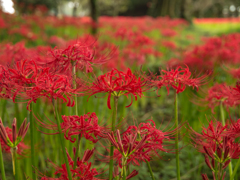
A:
173	8
186	9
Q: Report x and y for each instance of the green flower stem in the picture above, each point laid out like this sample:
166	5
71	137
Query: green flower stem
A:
148	164
32	137
75	86
61	138
235	170
14	162
216	169
77	150
176	137
150	170
4	104
2	164
114	116
76	113
222	114
223	122
124	170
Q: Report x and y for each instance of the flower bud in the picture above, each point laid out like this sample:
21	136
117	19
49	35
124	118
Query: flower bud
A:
25	131
219	152
204	177
226	163
226	152
134	173
3	133
21	129
14	133
208	162
213	163
87	155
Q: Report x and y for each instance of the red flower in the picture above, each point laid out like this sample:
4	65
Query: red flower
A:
140	143
86	125
220	93
52	86
217	142
83	170
179	78
81	54
118	83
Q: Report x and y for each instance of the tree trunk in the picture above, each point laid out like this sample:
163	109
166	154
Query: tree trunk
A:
186	12
94	16
172	8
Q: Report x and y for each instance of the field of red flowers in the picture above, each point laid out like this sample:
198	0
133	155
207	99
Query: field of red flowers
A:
143	99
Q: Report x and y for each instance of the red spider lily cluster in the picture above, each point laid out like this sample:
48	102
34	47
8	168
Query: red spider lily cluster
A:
215	51
29	81
43	72
219	144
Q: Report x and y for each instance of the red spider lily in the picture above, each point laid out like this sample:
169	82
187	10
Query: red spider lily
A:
9	138
118	83
78	53
52	86
211	135
237	91
217	142
83	170
156	136
234	129
140	143
128	146
220	93
179	78
24	74
86	125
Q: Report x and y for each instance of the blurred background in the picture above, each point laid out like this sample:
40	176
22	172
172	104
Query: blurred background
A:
186	9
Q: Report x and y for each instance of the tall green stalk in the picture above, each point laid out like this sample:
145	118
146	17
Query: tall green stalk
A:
76	113
14	162
2	164
32	137
124	170
114	116
235	170
223	122
61	138
150	170
4	105
176	137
